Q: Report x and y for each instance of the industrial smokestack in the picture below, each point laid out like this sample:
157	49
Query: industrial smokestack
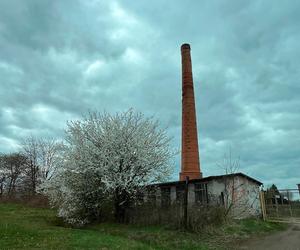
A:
190	164
298	187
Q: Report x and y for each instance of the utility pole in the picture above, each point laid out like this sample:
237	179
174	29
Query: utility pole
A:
185	205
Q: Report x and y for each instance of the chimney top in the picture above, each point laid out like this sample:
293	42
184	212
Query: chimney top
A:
185	46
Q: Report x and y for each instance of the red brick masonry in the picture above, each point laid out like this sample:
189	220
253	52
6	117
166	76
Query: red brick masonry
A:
190	164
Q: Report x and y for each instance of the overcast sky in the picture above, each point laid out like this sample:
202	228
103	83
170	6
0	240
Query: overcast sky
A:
61	58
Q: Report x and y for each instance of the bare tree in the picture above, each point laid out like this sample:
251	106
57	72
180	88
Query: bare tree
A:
229	166
12	167
30	148
3	175
238	197
15	163
49	157
43	157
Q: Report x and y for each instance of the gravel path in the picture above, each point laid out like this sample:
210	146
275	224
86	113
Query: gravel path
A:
286	240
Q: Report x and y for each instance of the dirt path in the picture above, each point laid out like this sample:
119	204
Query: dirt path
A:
286	240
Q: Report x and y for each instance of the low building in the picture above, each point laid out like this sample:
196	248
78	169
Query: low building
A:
238	193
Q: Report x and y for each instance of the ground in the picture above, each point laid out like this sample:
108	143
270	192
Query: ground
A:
287	240
23	227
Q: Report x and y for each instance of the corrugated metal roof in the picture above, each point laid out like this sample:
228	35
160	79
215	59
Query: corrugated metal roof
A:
207	179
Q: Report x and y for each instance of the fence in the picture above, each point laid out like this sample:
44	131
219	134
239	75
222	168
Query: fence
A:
176	215
281	205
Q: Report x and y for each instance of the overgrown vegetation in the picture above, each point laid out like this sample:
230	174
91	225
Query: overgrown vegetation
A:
198	216
24	227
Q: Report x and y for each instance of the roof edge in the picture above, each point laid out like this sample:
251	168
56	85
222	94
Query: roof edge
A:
208	178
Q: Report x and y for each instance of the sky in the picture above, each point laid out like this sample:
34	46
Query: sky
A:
61	58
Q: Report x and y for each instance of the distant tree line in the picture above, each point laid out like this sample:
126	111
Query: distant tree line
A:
22	172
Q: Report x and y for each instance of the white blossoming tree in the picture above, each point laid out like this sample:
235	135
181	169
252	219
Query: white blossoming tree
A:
108	157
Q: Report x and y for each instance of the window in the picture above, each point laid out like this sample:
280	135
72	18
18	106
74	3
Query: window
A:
180	194
222	199
165	196
151	195
201	195
139	196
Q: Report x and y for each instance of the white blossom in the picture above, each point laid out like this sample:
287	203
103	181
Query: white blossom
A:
106	156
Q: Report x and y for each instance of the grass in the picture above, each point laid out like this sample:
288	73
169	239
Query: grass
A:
249	227
23	227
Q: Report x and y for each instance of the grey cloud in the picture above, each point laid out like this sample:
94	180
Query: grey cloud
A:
59	59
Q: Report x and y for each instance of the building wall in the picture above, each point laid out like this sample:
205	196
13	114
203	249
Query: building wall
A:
238	194
158	197
173	194
215	189
247	201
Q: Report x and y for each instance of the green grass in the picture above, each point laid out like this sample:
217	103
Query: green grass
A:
23	227
249	227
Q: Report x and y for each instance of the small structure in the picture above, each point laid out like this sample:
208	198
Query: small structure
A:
238	193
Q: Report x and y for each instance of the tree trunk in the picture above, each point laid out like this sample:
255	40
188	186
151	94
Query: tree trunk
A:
121	203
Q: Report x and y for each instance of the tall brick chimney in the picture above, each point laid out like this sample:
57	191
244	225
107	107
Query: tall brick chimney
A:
190	165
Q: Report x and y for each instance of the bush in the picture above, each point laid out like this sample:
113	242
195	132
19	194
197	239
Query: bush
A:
200	217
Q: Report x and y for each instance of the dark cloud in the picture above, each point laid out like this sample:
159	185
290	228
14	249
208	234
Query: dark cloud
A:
59	59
